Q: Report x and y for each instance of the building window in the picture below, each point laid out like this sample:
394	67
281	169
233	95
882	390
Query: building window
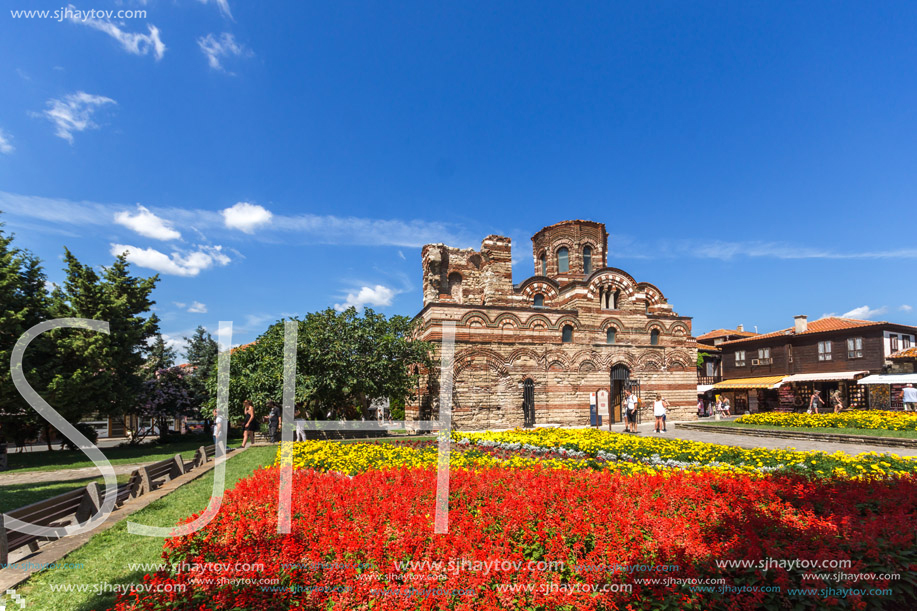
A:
824	351
614	299
567	334
587	259
610	335
539	300
563	260
544	265
654	337
764	356
905	342
740	358
893	341
855	348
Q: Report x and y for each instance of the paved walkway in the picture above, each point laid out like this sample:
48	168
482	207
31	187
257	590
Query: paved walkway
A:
775	443
37	477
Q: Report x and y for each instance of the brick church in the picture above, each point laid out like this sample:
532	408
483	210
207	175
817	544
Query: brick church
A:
533	353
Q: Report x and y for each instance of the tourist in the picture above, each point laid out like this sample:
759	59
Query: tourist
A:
910	398
630	412
249	424
217	426
659	409
726	406
273	422
700	408
837	401
300	427
814	400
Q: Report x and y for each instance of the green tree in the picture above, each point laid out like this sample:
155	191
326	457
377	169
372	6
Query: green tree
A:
97	373
160	355
343	362
202	358
25	303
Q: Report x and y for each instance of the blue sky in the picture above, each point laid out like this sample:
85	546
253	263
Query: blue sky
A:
753	160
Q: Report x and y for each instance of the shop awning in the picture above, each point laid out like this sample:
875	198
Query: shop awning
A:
765	382
824	377
890	378
702	388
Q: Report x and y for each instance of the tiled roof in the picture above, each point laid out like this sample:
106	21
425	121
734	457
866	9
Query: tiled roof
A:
724	333
707	348
822	325
907	353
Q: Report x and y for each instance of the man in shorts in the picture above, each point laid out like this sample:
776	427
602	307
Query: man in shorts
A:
910	398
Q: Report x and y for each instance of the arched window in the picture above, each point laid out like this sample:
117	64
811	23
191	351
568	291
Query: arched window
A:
610	335
563	260
615	297
654	337
567	334
587	259
544	264
455	286
539	300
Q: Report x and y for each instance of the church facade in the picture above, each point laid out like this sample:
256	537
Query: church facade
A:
534	353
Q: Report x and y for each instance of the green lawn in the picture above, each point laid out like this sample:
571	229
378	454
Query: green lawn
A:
14	496
107	556
68	459
832	430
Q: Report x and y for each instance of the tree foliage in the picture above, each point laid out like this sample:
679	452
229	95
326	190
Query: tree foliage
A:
343	362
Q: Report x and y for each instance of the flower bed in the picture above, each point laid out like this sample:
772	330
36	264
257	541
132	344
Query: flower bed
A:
666	453
570	530
872	419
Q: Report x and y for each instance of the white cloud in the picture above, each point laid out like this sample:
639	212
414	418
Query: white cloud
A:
905	308
376	296
132	42
5	146
217	48
180	304
177	343
864	312
197	308
178	263
401	254
74	112
222	4
246	217
147	224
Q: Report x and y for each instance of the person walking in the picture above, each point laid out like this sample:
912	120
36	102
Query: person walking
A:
218	421
909	396
837	401
726	406
300	427
249	424
630	412
274	421
814	400
659	408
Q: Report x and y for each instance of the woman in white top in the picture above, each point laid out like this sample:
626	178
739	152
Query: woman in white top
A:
659	407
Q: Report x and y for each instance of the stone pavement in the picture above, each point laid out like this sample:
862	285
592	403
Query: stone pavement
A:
747	441
38	477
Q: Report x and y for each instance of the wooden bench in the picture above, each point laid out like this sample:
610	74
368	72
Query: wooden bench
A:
149	478
62	510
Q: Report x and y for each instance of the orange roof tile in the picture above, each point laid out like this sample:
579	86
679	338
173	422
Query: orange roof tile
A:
707	348
907	353
724	332
822	325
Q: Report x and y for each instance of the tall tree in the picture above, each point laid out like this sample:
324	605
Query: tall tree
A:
100	373
202	359
160	355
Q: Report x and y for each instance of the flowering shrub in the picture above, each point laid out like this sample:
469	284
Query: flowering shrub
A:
872	419
569	530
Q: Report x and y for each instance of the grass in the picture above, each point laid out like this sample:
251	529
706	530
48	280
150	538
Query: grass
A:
14	496
70	459
831	430
108	557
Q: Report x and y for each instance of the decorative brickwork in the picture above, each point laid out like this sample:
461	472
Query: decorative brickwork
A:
506	334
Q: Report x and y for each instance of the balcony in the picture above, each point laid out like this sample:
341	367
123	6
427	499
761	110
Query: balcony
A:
708	380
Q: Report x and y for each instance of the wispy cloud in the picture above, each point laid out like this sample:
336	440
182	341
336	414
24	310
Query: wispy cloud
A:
375	296
246	217
223	5
862	313
218	48
73	113
147	224
197	307
132	42
6	146
300	229
179	263
905	308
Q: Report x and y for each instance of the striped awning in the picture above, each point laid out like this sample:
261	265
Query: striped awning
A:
765	382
